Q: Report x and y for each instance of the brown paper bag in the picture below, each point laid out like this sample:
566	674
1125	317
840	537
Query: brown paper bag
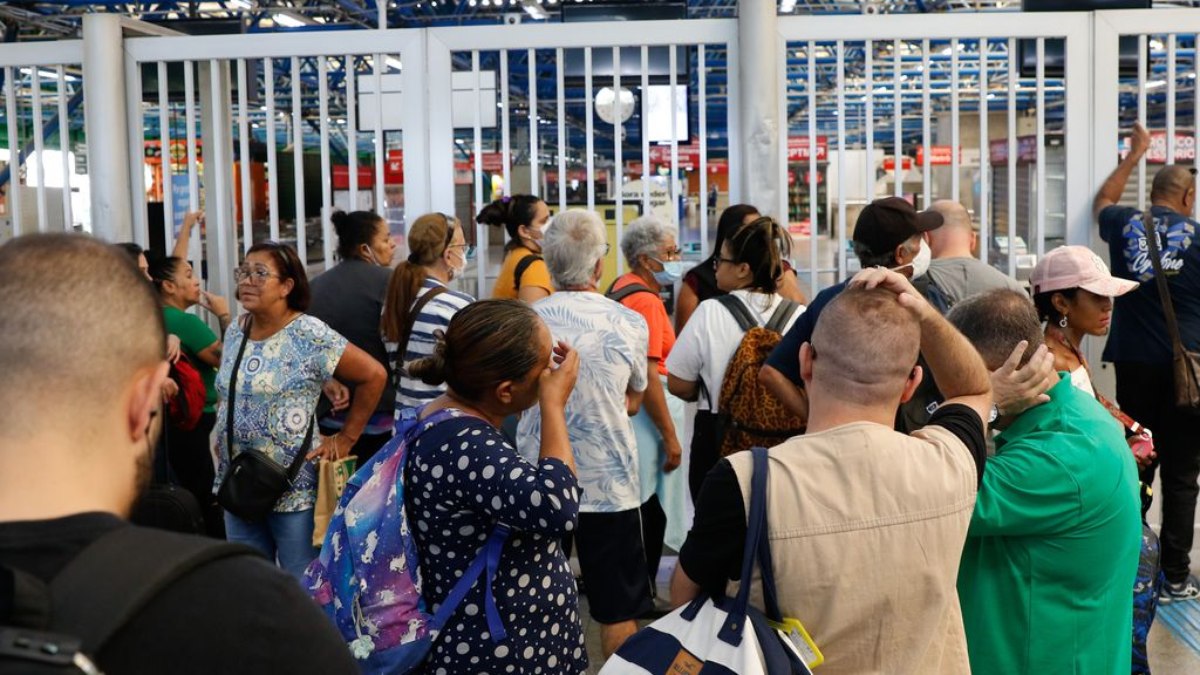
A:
332	477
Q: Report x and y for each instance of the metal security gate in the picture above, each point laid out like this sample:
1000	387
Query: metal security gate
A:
946	107
42	93
612	117
232	134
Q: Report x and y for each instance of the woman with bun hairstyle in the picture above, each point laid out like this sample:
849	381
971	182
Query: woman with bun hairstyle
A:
524	217
349	297
463	479
419	305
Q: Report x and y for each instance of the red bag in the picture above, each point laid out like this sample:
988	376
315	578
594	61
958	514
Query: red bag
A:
185	408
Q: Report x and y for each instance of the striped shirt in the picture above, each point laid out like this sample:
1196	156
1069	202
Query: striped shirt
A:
435	315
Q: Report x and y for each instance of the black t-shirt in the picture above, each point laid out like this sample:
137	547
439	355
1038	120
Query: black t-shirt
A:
234	615
712	554
1139	327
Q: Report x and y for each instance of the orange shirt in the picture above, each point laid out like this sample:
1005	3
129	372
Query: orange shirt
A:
650	306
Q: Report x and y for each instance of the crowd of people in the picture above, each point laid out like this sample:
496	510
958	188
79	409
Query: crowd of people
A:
949	491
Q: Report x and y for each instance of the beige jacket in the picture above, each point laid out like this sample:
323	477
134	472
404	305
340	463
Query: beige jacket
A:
867	527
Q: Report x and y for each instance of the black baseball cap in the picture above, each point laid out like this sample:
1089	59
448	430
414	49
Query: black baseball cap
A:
886	223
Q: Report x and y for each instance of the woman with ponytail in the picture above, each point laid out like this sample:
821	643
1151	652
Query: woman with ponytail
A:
419	303
747	266
349	298
523	275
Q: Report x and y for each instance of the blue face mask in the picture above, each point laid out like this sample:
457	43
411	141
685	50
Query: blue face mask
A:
672	271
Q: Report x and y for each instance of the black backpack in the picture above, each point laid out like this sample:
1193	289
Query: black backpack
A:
626	291
58	627
522	265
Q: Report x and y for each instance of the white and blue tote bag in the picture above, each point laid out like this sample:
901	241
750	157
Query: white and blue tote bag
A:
682	642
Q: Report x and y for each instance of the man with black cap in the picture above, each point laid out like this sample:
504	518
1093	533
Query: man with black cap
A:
889	233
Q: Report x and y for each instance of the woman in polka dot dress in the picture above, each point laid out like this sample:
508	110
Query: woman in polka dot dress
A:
463	478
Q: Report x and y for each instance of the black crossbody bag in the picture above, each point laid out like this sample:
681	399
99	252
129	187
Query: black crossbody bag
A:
253	481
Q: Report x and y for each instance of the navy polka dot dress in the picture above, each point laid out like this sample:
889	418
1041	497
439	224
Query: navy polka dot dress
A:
461	478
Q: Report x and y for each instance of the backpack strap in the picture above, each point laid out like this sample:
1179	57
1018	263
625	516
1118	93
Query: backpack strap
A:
116	576
782	314
522	265
626	291
741	313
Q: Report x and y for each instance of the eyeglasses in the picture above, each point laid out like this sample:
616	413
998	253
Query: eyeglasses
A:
718	260
256	276
672	254
468	250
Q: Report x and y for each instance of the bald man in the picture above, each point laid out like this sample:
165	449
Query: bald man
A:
954	269
866	524
81	371
1139	345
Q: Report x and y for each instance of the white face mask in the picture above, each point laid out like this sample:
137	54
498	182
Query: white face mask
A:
455	271
920	264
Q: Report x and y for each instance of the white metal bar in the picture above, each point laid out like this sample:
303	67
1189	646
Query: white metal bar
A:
985	158
589	123
897	121
352	128
39	150
814	220
618	174
869	123
560	94
64	139
262	46
135	123
326	176
1040	216
1141	104
645	128
189	101
956	152
784	132
733	116
50	53
298	161
674	185
505	148
1013	73
168	171
272	164
218	205
926	171
534	119
852	26
1171	44
380	139
615	34
702	105
244	153
841	165
12	193
477	157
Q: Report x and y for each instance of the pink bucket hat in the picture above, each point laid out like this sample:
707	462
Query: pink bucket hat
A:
1077	267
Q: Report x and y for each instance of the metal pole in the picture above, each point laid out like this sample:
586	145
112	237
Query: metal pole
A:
760	124
109	163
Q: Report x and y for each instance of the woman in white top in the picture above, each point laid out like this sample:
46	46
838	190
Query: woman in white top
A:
747	266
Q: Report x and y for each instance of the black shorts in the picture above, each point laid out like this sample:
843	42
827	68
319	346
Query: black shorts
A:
612	561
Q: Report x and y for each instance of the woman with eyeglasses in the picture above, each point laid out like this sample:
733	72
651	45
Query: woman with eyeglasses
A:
279	358
419	304
349	297
523	275
747	267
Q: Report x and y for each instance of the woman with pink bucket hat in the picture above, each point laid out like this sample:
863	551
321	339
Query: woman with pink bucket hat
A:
1073	291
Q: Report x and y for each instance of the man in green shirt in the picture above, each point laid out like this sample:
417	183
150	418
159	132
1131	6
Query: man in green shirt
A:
1047	572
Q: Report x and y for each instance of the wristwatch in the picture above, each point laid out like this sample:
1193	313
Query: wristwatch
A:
994	414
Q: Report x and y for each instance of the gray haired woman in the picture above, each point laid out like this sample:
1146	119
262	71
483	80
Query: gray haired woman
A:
654	262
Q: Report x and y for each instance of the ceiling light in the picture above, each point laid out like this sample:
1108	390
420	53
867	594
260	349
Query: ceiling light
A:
787	6
535	10
393	63
1155	84
289	20
240	4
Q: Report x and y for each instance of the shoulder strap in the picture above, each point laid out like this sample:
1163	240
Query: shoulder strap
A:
782	314
756	536
739	310
1164	293
626	291
114	578
414	313
522	265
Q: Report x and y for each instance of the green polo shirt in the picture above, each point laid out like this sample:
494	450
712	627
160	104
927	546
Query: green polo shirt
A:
1046	581
195	336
